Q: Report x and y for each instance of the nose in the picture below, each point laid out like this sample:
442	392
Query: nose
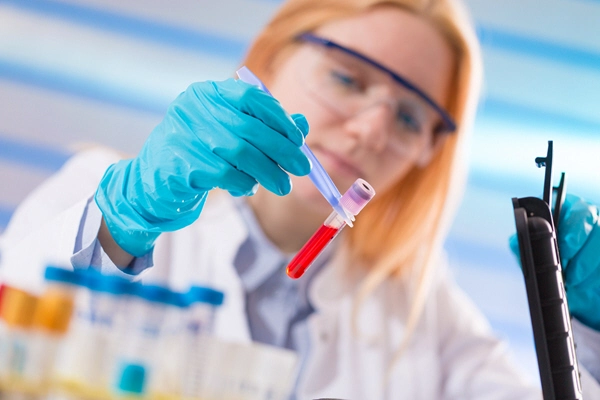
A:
371	126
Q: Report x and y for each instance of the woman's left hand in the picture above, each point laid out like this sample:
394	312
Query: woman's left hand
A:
579	246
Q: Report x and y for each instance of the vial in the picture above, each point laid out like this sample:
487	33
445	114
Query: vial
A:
353	201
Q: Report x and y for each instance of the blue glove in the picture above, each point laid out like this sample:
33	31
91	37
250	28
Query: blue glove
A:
227	135
579	247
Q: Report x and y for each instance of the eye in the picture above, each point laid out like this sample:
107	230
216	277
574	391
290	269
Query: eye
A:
345	80
408	121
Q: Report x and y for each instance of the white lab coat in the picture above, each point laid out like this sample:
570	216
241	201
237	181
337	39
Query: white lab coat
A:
452	355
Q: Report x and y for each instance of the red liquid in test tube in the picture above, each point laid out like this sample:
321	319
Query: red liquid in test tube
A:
315	245
355	198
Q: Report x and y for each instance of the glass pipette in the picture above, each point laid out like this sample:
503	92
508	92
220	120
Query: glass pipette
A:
317	174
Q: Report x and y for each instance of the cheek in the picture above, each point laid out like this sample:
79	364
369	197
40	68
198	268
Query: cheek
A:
387	177
390	169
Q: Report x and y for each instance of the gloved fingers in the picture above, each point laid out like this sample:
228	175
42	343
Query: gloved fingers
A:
301	123
192	172
583	305
274	146
208	171
583	270
240	194
576	222
252	101
247	158
231	128
244	144
579	245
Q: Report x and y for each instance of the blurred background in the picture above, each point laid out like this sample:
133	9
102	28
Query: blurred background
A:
104	71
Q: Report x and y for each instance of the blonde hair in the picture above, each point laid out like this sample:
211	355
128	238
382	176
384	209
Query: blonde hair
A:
405	226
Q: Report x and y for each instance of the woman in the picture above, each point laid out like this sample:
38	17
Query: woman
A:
389	89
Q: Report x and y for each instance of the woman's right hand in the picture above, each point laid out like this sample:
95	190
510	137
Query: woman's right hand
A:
227	135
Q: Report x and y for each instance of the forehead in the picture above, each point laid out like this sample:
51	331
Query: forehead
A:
402	41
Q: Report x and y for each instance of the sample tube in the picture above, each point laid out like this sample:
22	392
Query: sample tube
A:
3	340
137	352
199	347
203	304
166	371
353	201
84	363
17	312
50	323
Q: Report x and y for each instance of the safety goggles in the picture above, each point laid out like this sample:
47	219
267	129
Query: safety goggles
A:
349	83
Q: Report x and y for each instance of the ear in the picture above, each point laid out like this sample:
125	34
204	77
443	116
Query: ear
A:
428	153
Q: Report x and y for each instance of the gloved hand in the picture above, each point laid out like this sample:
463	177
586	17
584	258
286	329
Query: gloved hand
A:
579	247
228	134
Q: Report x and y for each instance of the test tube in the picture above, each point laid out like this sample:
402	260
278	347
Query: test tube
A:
353	201
85	361
50	323
203	303
138	349
166	382
17	312
3	341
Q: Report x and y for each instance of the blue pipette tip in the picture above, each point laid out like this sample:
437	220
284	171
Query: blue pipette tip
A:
317	174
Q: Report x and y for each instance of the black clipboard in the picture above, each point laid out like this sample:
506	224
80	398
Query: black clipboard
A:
542	271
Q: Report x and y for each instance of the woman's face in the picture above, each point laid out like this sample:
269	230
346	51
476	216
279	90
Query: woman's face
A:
368	143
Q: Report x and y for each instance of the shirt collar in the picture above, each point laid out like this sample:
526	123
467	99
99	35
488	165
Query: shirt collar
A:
258	258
